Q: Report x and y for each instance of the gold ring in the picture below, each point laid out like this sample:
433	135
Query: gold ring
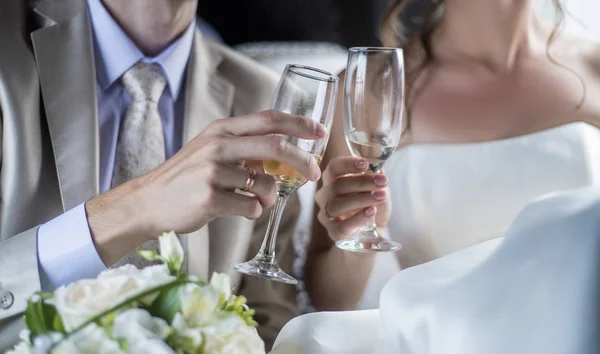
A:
250	181
327	213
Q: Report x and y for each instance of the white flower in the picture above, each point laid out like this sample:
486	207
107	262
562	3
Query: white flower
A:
222	284
198	304
80	301
21	348
91	339
150	346
171	250
137	325
193	335
157	274
229	334
24	335
43	342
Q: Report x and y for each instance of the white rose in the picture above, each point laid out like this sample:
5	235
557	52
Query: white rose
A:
21	348
229	334
222	284
198	304
80	301
91	339
137	325
171	249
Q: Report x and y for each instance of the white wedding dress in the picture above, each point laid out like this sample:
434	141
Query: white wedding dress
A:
490	284
447	197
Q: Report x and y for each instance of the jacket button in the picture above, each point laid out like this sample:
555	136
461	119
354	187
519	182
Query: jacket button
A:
6	300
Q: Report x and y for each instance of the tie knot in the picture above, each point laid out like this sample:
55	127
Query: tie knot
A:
145	82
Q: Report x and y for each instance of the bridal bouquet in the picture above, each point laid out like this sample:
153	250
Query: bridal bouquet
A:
156	310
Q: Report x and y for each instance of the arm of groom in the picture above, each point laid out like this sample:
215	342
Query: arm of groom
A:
183	194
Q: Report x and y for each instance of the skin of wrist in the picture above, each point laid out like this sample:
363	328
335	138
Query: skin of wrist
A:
117	221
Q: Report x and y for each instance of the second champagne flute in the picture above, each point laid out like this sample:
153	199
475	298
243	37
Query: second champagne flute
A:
373	115
302	91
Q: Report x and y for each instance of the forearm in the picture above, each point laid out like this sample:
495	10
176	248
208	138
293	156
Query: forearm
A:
336	279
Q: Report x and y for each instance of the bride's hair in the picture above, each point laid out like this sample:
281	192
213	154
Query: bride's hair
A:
399	30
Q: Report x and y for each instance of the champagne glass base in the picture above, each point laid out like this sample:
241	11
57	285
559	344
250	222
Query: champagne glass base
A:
264	269
368	244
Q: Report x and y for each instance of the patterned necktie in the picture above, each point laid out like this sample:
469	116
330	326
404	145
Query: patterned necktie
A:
140	146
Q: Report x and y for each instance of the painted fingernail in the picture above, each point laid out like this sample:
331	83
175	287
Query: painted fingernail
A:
320	130
379	195
370	211
360	164
380	180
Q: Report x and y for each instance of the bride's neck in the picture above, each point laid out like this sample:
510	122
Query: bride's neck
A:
493	32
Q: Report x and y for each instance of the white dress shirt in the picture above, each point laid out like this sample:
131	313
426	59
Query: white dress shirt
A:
66	251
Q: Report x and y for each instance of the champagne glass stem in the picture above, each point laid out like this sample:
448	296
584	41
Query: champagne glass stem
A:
267	250
370	229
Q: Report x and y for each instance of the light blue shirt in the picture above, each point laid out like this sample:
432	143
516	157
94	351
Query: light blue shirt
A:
66	251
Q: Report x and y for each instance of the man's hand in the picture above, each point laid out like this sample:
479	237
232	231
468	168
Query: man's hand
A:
198	184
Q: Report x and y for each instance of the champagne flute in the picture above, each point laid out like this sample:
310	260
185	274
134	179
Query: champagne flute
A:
373	115
302	91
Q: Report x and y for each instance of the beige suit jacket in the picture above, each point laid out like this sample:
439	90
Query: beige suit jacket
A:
49	150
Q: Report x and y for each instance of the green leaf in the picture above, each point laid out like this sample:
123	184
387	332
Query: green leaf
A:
42	317
167	304
34	320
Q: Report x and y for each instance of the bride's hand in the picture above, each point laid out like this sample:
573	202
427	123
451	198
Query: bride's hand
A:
348	199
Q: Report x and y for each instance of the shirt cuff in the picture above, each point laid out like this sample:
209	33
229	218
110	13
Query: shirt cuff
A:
66	251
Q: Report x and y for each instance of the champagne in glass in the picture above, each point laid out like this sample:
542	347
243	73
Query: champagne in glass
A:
286	175
373	112
302	91
375	148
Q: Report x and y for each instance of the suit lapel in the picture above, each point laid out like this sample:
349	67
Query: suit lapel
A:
65	62
208	97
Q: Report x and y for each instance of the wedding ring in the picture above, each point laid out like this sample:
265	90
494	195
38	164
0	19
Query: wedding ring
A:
250	181
332	218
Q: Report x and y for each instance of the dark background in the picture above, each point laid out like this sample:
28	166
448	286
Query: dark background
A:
346	22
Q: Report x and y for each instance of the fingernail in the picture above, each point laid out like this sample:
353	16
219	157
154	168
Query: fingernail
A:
370	211
360	164
379	195
320	130
316	176
380	180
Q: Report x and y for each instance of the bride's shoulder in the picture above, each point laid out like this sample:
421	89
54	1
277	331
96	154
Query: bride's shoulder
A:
588	51
593	58
580	54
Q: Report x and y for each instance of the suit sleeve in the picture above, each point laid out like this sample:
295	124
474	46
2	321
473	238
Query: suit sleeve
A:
275	303
19	276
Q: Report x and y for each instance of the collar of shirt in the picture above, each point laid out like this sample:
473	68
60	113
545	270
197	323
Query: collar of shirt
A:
116	53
